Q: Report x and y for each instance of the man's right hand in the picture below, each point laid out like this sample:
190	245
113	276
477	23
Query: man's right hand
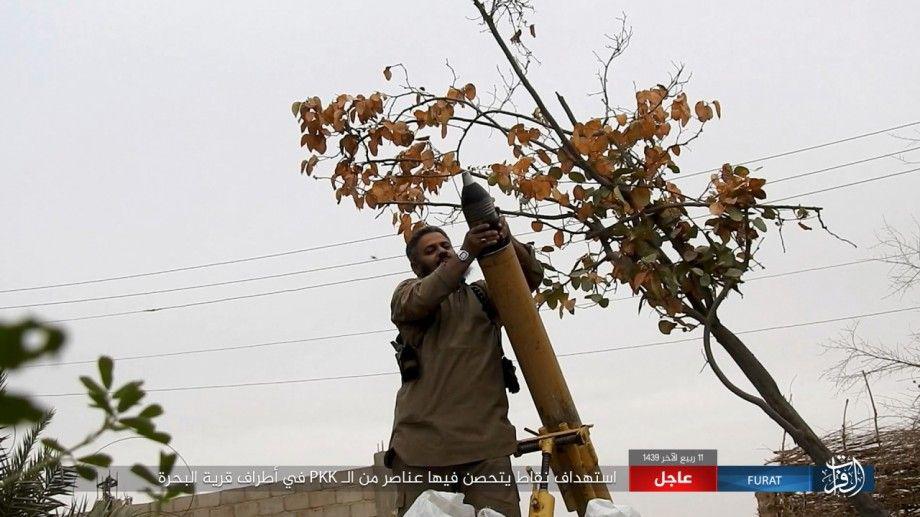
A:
479	238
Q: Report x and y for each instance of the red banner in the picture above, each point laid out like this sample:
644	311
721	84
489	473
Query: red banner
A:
652	478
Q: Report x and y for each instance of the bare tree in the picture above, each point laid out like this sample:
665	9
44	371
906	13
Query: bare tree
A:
863	359
902	253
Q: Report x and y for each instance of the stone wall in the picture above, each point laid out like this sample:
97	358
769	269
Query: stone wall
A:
331	500
273	501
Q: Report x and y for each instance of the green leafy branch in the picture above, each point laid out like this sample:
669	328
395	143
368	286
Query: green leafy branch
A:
121	408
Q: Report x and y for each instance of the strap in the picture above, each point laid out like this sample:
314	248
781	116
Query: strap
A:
484	301
508	373
490	312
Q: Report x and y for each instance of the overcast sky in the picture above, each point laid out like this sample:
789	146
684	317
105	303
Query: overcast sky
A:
142	136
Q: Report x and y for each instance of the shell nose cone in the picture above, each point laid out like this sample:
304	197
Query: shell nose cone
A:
468	179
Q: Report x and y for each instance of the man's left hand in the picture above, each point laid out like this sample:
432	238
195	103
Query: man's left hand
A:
504	233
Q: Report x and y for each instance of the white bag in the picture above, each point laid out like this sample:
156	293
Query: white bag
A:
605	508
432	503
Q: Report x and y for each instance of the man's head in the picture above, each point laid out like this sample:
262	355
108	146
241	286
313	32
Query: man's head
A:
428	247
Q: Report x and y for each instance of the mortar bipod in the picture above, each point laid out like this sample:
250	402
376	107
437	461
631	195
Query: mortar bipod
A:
542	503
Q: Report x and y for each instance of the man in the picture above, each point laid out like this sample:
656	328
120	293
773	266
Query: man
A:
453	419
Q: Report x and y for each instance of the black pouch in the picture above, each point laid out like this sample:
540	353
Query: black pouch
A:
407	359
388	458
508	372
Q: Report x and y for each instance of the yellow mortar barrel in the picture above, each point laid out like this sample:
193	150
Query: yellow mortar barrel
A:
540	368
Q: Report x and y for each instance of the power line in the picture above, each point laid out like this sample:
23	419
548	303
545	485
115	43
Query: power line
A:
393	329
841	166
230	298
820	268
80	300
797	272
326	268
199	286
199	266
221	349
268	293
337	266
246	384
828	189
845	185
211	264
367	239
752	331
568	354
804	149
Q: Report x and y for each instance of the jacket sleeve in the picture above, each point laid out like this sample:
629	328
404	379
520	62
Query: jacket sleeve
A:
418	298
533	269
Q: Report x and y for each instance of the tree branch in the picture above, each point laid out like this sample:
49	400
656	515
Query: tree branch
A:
566	143
457	206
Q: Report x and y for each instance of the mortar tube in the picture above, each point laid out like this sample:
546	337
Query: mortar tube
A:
538	364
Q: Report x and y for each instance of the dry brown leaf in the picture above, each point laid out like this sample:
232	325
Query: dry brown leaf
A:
469	91
703	112
311	163
640	197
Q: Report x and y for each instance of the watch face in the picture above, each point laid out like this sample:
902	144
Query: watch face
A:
463	255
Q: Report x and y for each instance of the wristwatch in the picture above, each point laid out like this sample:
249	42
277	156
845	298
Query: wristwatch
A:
463	255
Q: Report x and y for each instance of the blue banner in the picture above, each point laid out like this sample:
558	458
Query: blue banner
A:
844	479
763	478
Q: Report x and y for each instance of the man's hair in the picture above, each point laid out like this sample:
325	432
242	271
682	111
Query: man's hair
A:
417	235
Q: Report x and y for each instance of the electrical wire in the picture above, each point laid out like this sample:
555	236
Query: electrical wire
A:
393	329
268	293
841	166
367	239
846	185
199	266
569	354
804	149
198	286
230	298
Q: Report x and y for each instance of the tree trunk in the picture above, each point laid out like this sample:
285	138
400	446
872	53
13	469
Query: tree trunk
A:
763	382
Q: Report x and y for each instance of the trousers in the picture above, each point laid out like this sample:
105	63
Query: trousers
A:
503	498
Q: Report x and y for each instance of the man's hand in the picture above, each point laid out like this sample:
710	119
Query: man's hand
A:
504	233
481	237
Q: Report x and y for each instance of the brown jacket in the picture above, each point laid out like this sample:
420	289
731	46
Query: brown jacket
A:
457	410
